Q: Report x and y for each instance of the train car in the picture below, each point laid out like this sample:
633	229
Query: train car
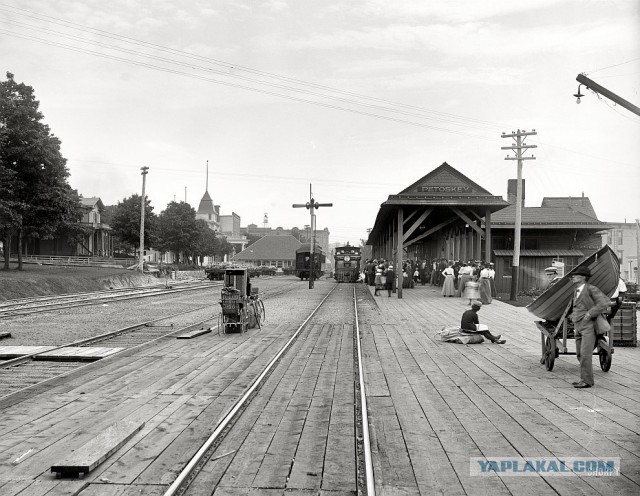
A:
347	263
303	261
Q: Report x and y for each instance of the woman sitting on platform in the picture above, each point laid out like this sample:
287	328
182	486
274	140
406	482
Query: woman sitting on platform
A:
471	324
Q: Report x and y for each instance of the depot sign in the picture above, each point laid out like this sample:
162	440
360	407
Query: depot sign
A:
445	189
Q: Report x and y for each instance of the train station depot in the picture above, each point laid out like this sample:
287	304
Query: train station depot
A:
447	215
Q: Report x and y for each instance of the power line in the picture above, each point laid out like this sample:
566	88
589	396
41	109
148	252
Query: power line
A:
231	66
614	65
233	85
237	76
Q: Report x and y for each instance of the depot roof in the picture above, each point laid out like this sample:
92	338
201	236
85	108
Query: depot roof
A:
441	189
274	247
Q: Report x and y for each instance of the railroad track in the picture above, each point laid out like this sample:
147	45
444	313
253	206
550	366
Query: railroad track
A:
33	369
228	440
36	368
28	306
280	395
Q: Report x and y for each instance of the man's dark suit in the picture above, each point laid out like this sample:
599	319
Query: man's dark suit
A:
586	308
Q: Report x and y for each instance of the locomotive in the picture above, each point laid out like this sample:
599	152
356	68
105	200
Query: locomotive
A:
347	263
303	261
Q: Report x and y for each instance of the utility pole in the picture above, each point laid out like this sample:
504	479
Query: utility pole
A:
142	211
312	205
518	148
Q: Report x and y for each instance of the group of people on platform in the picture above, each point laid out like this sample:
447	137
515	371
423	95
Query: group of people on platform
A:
379	273
473	280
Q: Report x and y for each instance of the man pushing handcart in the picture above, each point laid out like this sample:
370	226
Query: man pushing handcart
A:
572	308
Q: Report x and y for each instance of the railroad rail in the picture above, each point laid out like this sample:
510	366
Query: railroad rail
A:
29	306
187	478
16	376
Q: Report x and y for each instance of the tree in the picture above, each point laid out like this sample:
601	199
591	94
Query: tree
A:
224	248
126	223
177	230
208	243
36	198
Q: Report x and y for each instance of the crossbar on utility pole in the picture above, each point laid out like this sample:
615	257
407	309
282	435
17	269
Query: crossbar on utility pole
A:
312	205
142	211
518	147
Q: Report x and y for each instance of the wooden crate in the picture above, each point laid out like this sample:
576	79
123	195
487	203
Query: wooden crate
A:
625	325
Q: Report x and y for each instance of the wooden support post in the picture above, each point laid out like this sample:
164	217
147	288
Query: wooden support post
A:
399	261
479	245
487	229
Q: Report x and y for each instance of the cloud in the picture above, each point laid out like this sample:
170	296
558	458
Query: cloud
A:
463	11
276	5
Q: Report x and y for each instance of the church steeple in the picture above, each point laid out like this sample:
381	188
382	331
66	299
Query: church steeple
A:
207	209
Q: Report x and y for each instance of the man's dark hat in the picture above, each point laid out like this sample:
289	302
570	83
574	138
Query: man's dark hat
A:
582	271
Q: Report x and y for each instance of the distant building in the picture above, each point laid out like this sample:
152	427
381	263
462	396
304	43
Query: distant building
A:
623	239
276	250
230	229
97	242
227	226
302	235
563	230
209	212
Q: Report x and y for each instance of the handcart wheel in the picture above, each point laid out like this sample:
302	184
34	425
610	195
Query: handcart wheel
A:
549	353
605	359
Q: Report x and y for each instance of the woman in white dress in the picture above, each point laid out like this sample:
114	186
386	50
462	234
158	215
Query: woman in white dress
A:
448	288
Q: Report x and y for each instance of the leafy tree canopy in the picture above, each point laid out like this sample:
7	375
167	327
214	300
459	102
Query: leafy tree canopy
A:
35	197
178	231
125	223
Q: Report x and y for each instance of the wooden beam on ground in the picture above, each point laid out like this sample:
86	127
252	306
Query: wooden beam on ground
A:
98	449
194	333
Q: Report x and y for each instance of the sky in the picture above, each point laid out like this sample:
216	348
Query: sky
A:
352	101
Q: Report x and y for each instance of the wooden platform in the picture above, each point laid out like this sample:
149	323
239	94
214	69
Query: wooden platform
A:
72	353
433	405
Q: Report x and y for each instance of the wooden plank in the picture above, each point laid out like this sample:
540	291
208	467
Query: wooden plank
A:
90	455
195	333
7	352
127	465
73	353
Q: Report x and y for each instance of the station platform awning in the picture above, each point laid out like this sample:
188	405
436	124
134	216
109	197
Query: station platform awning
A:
540	253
